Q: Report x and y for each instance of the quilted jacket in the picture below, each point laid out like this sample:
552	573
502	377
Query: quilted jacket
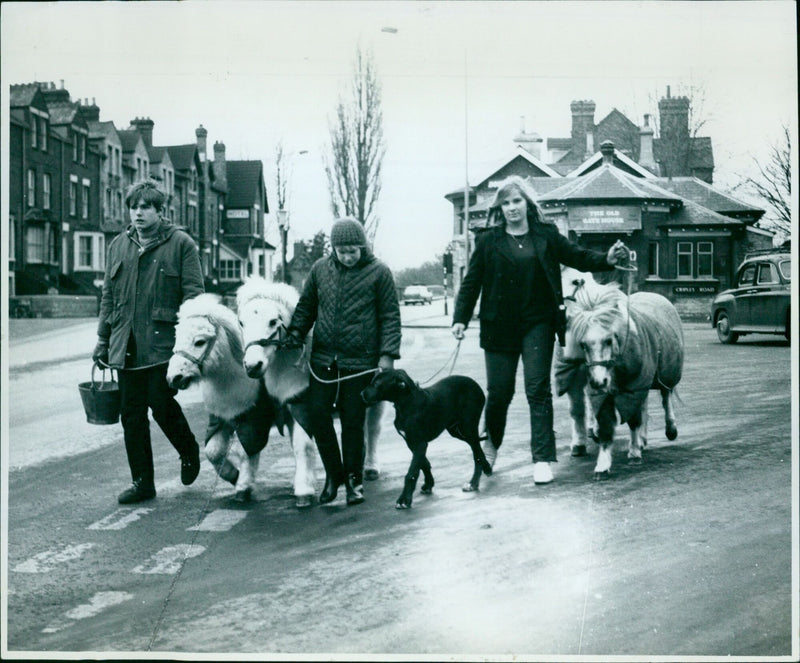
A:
354	311
142	292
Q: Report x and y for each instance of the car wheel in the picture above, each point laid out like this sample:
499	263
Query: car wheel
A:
724	332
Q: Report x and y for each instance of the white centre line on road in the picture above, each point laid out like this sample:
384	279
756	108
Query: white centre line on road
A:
96	605
168	560
120	519
46	561
220	520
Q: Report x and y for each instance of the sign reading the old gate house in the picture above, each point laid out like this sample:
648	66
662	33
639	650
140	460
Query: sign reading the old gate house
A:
605	219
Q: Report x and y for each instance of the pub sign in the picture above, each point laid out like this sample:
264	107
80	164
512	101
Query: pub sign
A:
605	218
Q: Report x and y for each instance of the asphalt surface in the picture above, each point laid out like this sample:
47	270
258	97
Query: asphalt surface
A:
687	554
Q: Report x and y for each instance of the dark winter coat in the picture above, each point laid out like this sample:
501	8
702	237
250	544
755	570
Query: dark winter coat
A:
354	311
142	292
492	275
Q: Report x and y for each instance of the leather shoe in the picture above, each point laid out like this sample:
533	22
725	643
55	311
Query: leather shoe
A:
138	492
190	467
328	493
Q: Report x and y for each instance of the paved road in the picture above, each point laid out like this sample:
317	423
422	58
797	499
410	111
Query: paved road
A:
686	554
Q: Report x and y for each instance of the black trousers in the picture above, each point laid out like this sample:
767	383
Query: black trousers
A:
140	390
352	412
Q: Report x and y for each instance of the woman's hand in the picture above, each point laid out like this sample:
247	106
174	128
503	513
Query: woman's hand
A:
385	363
617	253
458	330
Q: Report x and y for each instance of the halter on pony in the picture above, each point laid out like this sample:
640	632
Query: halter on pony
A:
198	361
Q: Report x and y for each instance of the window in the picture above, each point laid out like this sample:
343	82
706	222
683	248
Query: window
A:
82	149
107	203
746	277
31	187
118	205
89	252
43	134
685	270
192	220
705	260
767	274
46	180
34	243
652	259
230	270
34	131
110	162
786	269
73	197
74	145
85	200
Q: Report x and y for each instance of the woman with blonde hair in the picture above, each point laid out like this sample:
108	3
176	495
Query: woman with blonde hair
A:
515	269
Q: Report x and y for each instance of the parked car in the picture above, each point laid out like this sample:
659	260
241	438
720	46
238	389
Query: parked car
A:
417	294
760	302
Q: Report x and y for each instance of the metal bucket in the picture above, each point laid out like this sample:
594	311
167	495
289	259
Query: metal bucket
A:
100	400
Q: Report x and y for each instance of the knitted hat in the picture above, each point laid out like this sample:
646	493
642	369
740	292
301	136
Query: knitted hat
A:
348	232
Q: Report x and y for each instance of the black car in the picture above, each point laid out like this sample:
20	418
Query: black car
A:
760	302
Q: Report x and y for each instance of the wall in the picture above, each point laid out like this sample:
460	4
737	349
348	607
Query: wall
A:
53	306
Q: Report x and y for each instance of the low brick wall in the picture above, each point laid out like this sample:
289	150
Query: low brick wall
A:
53	306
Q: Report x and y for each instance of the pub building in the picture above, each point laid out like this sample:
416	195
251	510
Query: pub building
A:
688	238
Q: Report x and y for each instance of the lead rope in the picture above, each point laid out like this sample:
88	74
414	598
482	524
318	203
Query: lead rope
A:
453	356
632	267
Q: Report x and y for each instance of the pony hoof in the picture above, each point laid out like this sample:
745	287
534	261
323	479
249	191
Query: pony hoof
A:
469	488
635	460
487	469
592	435
578	450
303	501
426	490
243	495
371	475
402	506
672	432
602	476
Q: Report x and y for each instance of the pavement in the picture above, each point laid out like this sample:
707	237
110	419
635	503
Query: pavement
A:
34	343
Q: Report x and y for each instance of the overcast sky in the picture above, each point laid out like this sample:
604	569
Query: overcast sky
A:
254	73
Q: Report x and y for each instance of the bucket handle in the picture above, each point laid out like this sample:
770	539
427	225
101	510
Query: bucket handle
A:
103	369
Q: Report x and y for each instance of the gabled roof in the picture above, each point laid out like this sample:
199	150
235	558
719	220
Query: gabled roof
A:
608	182
65	112
591	162
24	95
182	156
129	139
157	154
245	184
104	129
704	194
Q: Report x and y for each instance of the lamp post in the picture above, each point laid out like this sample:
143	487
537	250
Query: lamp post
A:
283	225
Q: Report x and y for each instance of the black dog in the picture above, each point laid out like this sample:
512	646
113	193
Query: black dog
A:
454	403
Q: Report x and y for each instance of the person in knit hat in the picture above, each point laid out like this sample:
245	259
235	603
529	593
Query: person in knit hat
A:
351	301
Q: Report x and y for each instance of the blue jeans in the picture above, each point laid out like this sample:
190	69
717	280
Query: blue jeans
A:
501	372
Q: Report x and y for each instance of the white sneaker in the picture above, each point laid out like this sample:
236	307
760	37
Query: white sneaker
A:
490	451
542	472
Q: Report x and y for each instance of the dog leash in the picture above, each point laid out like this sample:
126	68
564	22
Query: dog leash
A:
453	356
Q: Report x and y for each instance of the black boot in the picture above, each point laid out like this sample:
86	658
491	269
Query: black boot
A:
140	491
190	466
355	490
328	493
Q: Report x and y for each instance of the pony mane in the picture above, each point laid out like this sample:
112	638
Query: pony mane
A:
209	305
601	305
256	287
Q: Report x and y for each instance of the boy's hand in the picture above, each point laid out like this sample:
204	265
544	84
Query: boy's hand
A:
385	363
458	330
100	354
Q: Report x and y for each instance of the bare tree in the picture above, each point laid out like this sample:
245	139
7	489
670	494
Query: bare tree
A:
774	183
281	176
357	148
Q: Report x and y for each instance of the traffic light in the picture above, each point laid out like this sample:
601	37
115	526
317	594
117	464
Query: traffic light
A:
448	263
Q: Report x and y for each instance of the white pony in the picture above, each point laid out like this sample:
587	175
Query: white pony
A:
265	310
208	351
617	349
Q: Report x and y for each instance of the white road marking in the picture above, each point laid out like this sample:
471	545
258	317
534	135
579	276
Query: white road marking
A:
46	561
96	605
168	560
220	520
120	519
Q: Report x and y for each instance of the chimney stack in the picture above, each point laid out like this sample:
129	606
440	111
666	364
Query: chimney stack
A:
582	125
201	134
144	125
220	169
646	157
89	112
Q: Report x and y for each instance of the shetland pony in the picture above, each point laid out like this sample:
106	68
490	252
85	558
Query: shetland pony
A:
208	351
617	349
265	310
